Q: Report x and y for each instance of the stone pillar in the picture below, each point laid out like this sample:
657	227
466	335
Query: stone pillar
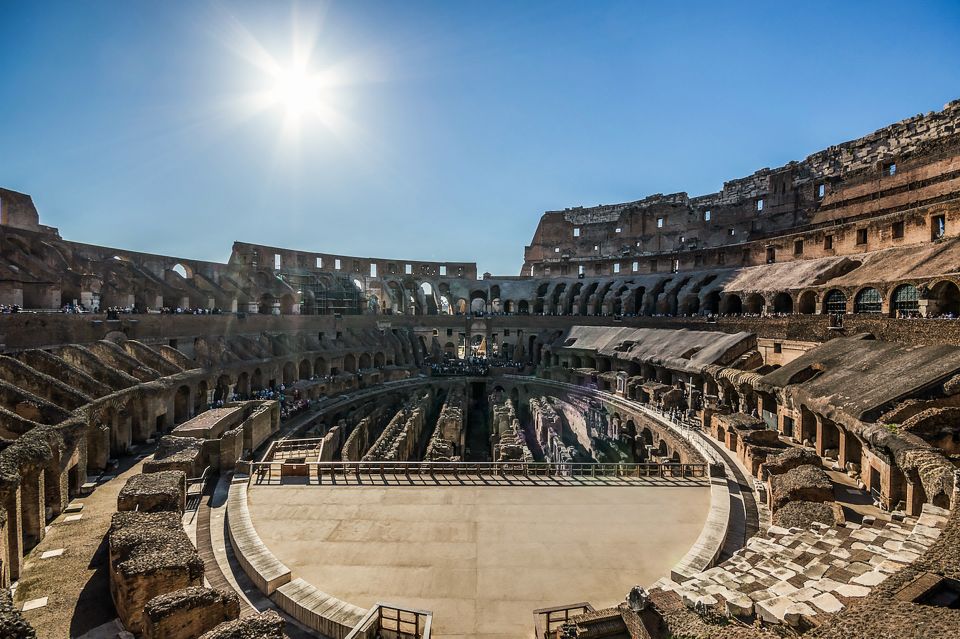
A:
32	508
55	490
915	499
123	423
98	446
14	534
820	447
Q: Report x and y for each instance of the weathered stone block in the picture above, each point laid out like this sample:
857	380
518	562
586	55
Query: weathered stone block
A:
150	555
804	483
266	625
188	613
177	453
154	492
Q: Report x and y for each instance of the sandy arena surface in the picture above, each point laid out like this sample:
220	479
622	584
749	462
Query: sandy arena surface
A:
482	558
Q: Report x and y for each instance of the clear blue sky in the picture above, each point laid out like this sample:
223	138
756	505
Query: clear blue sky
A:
451	126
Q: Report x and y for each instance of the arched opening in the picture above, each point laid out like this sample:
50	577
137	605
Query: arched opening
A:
289	373
835	302
617	306
378	360
711	303
478	306
570	298
555	305
867	300
583	305
221	391
243	385
944	300
478	302
200	401
320	367
601	295
450	349
807	305
393	297
445	307
461	306
181	405
256	381
754	304
538	306
182	271
350	363
808	427
427	289
690	305
523	307
782	303
365	361
305	372
905	301
731	305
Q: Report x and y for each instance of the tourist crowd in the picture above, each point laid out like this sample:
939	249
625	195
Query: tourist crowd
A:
291	403
113	311
472	366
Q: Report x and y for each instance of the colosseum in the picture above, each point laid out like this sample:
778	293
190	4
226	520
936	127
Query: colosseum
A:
730	415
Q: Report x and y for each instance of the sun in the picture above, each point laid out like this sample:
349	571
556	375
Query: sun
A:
296	90
309	91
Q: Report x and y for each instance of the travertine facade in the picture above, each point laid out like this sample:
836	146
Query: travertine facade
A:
803	318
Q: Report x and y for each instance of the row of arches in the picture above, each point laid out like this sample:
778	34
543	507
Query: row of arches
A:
674	295
942	299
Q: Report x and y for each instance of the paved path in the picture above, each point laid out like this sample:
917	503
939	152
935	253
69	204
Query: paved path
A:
76	582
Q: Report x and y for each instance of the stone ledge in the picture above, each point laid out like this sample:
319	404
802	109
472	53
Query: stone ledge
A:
263	568
714	534
317	610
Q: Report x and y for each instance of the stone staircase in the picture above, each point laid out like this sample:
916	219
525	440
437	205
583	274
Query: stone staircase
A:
791	576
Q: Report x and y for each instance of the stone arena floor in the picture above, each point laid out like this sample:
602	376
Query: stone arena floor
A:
482	558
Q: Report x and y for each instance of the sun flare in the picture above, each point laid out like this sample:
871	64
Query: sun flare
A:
296	91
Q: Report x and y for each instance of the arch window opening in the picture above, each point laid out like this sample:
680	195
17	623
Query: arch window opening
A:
906	301
835	303
868	301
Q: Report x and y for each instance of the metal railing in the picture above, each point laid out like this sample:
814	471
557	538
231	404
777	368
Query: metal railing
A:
283	448
269	471
881	500
547	620
388	621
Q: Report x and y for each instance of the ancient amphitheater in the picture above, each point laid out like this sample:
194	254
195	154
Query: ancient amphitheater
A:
731	415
